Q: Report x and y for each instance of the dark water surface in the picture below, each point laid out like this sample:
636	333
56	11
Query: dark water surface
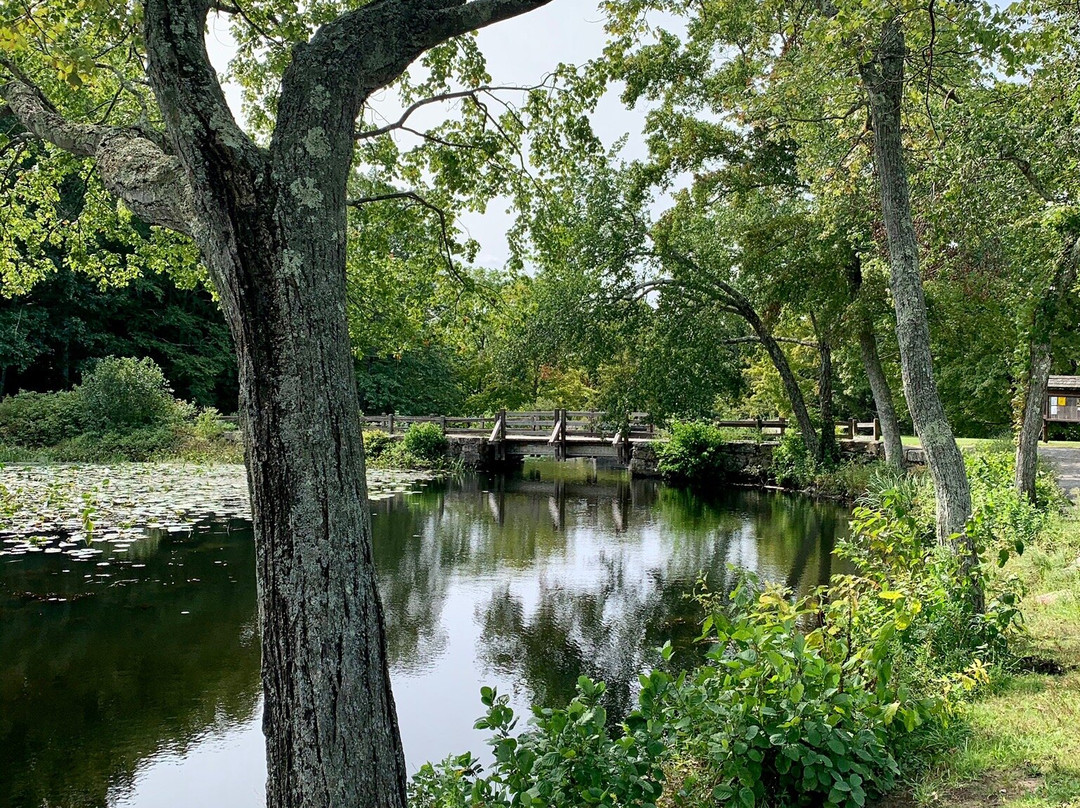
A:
133	679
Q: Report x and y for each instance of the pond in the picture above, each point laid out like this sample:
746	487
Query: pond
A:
130	676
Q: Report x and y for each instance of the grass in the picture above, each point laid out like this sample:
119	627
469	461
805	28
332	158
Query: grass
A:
986	443
1021	747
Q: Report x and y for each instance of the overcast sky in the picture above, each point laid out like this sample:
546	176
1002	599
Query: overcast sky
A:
520	51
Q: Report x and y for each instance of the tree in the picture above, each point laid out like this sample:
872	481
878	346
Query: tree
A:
270	223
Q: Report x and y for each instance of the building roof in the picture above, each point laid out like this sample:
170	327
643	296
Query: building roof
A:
1064	383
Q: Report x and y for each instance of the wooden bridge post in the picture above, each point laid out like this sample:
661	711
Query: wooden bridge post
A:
391	423
562	433
853	425
877	429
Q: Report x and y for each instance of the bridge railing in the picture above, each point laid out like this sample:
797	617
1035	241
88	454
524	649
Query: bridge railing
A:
562	425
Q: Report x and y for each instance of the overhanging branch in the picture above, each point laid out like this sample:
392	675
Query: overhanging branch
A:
131	166
417	199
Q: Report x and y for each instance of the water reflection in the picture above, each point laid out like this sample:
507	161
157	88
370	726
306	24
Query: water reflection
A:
142	657
147	680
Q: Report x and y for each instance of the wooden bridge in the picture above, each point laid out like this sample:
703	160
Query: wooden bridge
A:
567	434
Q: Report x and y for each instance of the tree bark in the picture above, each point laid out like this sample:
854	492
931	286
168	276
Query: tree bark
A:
1040	363
882	392
271	226
787	378
875	373
827	449
883	78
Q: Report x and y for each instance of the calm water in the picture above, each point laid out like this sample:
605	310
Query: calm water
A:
141	687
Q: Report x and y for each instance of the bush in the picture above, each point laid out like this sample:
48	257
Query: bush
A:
36	420
208	425
124	394
137	445
425	442
376	443
792	464
569	758
693	453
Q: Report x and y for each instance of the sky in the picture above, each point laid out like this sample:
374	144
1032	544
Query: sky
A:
520	51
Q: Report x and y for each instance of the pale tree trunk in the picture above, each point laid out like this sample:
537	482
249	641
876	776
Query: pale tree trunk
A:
884	81
271	226
1040	363
875	373
882	392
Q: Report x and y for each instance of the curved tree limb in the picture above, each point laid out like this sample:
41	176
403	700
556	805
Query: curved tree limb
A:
150	181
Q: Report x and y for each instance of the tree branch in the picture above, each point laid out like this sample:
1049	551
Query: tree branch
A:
416	198
131	166
438	99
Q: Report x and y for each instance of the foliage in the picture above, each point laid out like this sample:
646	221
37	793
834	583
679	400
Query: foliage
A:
793	465
35	420
124	393
694	452
425	441
377	443
569	758
124	410
784	716
208	424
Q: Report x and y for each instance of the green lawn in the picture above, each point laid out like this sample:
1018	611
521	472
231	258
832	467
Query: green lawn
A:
981	443
1022	748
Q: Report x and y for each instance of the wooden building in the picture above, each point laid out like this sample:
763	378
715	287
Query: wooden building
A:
1062	403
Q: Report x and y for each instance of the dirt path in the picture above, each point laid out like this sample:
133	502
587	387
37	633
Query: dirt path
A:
1067	464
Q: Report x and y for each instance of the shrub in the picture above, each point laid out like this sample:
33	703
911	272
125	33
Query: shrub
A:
137	445
36	420
568	759
208	425
425	442
792	464
376	443
694	452
123	394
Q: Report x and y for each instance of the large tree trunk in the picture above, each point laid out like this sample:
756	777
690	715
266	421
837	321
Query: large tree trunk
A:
1040	362
884	81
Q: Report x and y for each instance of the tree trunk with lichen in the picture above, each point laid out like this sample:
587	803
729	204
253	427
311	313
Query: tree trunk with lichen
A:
883	78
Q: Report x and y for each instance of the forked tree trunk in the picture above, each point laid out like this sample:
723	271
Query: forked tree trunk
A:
884	81
1040	363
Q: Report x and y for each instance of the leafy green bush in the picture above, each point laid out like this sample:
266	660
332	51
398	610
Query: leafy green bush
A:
694	452
569	758
792	464
208	425
782	716
123	394
426	442
35	420
376	443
